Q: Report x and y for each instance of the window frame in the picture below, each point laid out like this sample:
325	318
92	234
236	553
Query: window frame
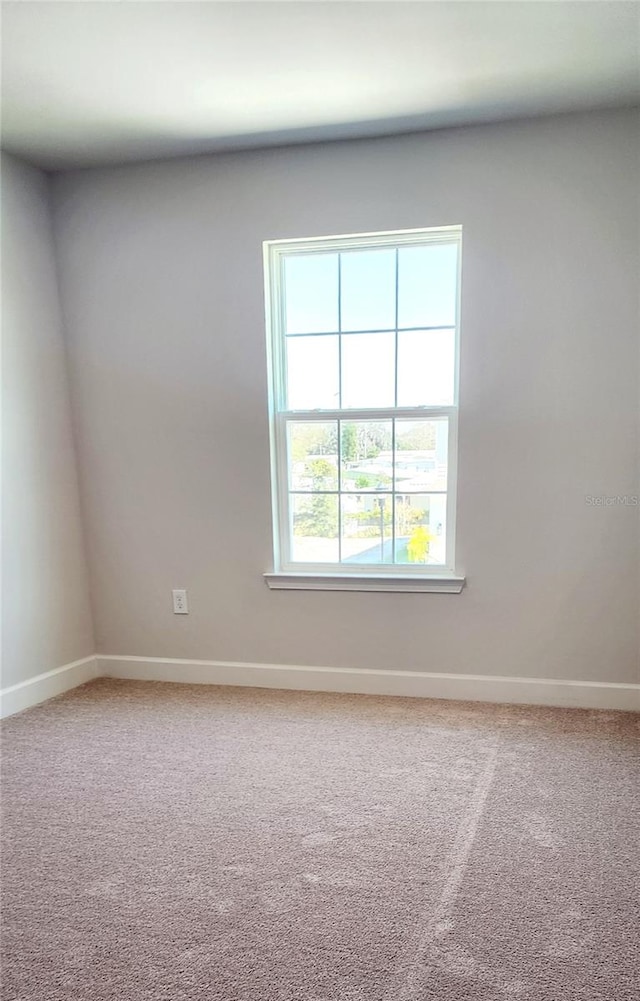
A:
288	573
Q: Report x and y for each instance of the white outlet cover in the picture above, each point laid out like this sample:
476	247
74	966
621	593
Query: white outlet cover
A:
180	602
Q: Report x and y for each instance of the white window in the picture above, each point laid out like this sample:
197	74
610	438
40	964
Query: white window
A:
363	357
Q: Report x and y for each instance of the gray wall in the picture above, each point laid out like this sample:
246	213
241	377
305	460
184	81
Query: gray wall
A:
46	618
161	270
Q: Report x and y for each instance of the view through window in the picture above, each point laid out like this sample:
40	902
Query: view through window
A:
363	358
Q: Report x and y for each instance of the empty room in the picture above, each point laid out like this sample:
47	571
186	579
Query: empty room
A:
320	501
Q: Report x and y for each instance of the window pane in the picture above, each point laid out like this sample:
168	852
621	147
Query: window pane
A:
427	285
368	370
421	528
311	293
366	456
367	535
314	528
426	365
312	372
313	455
421	455
368	290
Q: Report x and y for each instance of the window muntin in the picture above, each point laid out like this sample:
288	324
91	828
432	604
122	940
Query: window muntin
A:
363	348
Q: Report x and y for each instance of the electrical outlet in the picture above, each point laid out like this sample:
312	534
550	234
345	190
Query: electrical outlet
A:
180	603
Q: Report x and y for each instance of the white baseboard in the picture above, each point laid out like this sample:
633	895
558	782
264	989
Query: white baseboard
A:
472	687
479	688
28	693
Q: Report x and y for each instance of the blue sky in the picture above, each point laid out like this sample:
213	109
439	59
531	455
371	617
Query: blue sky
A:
366	300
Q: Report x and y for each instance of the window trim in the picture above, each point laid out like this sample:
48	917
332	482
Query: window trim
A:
296	575
443	583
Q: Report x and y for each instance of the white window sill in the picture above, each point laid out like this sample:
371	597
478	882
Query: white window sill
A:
443	583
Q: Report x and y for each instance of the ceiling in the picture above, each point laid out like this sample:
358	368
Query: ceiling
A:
87	83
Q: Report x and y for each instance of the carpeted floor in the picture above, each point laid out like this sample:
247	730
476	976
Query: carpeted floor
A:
170	843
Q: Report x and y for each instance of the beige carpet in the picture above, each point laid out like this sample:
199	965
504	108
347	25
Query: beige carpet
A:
170	843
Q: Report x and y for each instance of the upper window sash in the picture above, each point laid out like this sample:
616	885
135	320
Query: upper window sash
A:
275	254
